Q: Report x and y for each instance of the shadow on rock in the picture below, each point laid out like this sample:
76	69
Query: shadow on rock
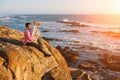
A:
12	41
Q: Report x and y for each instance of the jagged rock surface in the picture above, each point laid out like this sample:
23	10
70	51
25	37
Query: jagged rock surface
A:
22	62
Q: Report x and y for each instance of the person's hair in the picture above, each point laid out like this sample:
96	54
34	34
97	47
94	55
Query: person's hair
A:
27	24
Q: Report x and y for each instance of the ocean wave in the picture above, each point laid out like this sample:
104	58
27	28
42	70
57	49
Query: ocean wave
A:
72	23
5	18
88	24
79	23
23	17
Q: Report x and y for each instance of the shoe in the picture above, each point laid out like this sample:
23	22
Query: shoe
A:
47	55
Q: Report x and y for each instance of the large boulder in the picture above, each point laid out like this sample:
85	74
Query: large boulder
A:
71	56
22	62
79	74
111	61
87	66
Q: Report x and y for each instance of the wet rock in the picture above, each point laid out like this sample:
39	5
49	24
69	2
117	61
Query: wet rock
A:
22	62
70	56
45	31
80	75
51	39
92	48
113	66
73	31
89	47
111	62
115	57
88	66
112	34
111	77
59	48
101	72
73	23
95	31
47	76
95	77
106	59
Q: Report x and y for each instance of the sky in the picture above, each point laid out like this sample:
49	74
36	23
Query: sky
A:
59	6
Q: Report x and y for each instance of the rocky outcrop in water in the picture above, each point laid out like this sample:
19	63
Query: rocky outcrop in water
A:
22	62
105	67
111	62
70	56
72	23
72	31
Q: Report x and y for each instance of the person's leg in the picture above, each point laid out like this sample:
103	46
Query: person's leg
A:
32	44
39	43
40	47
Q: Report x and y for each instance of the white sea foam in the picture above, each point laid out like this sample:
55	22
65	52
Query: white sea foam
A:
23	17
5	18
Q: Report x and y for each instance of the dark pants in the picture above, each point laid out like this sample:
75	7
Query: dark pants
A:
38	46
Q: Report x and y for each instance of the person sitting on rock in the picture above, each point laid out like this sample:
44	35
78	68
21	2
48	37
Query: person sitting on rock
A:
29	38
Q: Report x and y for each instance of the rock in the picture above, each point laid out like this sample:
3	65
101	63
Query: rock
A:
92	48
111	62
59	48
47	76
73	31
22	62
111	77
70	56
95	77
106	59
11	33
112	34
1	61
51	39
88	66
5	73
95	31
115	57
113	66
73	23
80	75
45	31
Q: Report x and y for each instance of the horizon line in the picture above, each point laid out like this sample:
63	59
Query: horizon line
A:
58	14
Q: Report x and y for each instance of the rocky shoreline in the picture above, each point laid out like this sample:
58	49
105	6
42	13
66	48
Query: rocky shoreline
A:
107	66
21	62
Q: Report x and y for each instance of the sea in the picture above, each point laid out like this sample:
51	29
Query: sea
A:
98	34
102	32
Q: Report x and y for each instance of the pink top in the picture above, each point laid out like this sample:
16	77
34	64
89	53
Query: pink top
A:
28	36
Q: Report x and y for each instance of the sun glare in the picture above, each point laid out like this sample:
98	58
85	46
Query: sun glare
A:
116	7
